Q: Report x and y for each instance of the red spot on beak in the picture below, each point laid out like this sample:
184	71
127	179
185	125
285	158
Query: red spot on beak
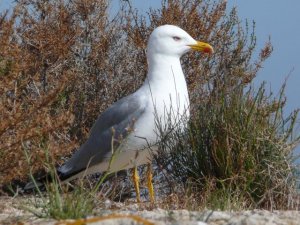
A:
208	50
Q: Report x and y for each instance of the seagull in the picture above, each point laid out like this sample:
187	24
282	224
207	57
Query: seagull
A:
122	136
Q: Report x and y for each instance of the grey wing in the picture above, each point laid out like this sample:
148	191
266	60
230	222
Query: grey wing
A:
115	121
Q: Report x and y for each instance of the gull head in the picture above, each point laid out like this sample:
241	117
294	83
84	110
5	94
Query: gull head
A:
170	40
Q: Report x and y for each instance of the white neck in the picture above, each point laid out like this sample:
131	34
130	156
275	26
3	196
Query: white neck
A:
166	82
163	70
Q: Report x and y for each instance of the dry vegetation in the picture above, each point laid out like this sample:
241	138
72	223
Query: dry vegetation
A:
63	62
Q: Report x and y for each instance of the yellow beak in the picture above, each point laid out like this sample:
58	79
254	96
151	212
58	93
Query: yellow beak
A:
202	47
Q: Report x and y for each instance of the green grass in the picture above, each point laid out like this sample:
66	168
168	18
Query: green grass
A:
237	151
63	201
62	204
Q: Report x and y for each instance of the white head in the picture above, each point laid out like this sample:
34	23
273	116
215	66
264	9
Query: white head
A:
171	40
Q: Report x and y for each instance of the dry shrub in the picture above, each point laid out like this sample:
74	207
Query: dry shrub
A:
61	64
33	73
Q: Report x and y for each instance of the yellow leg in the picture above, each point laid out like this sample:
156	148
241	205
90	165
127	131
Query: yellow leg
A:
136	178
150	184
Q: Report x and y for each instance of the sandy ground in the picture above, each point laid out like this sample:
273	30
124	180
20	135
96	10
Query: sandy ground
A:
12	211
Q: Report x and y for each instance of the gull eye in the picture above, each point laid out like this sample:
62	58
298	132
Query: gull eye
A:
176	38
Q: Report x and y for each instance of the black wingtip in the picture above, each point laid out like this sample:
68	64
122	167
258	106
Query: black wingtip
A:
39	182
64	176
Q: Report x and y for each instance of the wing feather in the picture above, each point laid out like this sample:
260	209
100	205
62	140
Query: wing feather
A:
114	121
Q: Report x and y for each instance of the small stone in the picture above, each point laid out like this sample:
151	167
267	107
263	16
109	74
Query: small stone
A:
107	203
